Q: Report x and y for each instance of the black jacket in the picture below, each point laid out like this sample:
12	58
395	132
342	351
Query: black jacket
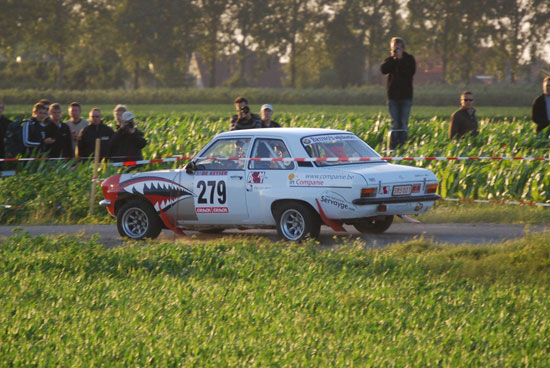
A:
462	123
63	146
4	123
400	76
254	122
126	146
87	137
33	135
538	113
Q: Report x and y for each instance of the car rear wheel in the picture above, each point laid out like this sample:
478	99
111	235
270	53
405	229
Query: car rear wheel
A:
137	219
374	225
296	221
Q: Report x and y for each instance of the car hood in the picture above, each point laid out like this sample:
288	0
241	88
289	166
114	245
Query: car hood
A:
384	172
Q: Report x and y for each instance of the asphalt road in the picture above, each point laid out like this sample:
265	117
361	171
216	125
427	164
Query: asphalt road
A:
398	232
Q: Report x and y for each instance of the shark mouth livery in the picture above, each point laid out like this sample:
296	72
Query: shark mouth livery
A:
162	193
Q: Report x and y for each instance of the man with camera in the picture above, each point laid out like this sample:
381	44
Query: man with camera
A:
400	67
244	118
127	141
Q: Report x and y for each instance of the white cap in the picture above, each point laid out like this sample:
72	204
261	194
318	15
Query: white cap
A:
266	106
127	116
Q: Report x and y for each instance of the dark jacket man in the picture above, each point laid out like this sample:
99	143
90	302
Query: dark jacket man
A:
540	110
88	135
400	76
126	146
463	121
63	145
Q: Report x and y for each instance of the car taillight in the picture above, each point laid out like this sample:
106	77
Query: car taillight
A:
431	188
368	192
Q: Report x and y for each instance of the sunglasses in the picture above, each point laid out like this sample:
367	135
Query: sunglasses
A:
468	99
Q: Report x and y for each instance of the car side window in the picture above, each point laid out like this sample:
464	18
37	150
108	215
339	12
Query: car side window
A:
270	148
224	155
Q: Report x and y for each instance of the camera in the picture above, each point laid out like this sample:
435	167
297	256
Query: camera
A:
245	109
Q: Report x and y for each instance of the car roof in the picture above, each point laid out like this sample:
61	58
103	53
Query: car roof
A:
281	132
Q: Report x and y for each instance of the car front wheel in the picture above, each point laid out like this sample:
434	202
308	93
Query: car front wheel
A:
296	221
374	225
137	219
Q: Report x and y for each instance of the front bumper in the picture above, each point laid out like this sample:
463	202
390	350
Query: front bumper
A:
389	200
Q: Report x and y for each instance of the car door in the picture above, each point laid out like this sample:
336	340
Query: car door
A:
267	180
219	182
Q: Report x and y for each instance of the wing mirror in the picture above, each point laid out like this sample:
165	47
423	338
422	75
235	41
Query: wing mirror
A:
191	167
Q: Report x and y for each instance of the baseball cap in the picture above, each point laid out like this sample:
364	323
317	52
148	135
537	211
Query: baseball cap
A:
127	116
267	106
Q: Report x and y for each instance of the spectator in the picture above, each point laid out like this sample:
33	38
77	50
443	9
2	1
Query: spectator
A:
127	141
88	135
34	129
400	67
4	123
60	133
540	110
266	113
244	118
464	120
117	113
46	104
76	123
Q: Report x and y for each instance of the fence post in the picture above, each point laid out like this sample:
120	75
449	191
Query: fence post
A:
94	177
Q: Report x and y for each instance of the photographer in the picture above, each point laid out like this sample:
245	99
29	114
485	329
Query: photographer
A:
400	67
244	118
127	141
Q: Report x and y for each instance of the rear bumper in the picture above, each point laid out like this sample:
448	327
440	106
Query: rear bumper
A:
405	199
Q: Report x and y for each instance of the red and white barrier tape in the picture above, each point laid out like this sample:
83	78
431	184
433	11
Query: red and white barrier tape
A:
306	159
333	159
491	201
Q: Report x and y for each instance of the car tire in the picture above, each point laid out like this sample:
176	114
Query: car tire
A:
296	222
374	225
137	219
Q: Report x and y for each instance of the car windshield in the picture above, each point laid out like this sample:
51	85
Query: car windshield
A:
337	145
216	156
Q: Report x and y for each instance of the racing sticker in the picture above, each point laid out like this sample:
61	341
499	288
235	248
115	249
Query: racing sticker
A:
256	177
328	138
333	180
162	193
333	199
212	209
210	173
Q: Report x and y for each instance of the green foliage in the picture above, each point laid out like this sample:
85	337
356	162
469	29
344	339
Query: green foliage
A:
250	302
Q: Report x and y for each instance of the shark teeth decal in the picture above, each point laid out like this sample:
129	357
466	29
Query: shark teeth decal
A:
162	193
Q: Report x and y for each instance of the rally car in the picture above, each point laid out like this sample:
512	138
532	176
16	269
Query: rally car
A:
291	179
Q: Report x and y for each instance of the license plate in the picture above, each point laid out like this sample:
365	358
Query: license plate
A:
401	190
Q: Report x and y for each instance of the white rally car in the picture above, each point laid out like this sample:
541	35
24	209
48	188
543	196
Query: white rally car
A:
291	179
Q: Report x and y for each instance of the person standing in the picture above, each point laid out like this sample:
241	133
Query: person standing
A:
400	68
464	120
33	131
127	141
60	133
244	118
88	135
540	109
4	124
266	113
75	124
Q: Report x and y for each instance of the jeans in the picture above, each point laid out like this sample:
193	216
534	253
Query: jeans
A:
399	112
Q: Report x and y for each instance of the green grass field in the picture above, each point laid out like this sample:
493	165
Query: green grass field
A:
248	302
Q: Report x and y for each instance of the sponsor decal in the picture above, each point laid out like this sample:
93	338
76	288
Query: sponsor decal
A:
256	177
162	193
321	180
334	199
211	173
212	209
328	138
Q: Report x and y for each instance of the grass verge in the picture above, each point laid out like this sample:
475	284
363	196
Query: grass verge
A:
68	302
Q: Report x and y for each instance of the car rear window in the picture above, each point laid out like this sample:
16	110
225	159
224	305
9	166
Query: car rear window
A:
337	145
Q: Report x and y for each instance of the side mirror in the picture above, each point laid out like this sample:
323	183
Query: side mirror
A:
191	167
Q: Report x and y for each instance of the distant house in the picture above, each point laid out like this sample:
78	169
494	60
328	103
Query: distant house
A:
266	74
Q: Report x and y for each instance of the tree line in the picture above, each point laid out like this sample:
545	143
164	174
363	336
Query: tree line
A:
78	44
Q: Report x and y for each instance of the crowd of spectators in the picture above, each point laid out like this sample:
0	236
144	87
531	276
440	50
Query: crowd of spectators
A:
45	135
